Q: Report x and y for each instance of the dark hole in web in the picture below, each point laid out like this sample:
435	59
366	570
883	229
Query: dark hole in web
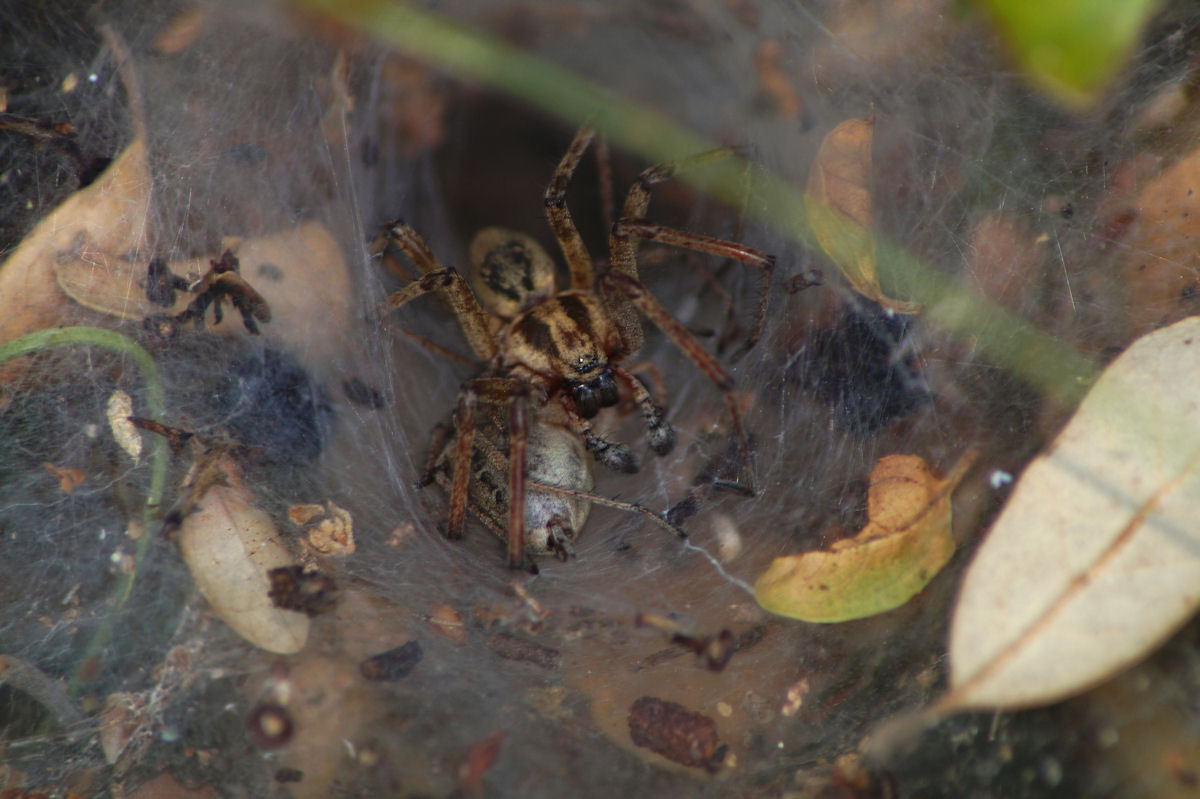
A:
856	367
268	400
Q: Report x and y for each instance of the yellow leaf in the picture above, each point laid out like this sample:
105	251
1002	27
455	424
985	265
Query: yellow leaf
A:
837	200
905	542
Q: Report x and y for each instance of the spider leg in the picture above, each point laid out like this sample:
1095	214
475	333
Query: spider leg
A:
612	454
518	439
448	283
437	349
409	240
654	311
558	534
604	176
598	499
662	437
497	392
559	216
632	226
441	433
653	374
629	228
464	423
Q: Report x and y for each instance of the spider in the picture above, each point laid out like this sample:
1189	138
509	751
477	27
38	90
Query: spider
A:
553	358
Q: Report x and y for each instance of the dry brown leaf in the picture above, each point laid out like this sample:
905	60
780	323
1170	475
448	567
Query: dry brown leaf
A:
300	272
329	529
1096	558
67	478
773	80
478	760
878	42
119	722
230	545
183	29
117	287
1004	260
906	542
413	102
838	202
1161	270
93	226
447	621
108	218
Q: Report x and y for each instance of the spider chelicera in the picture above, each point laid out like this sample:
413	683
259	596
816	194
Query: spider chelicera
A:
553	359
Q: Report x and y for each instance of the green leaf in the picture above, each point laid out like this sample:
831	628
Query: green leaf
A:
1072	49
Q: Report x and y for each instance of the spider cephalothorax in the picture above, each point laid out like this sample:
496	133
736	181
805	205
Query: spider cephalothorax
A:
553	358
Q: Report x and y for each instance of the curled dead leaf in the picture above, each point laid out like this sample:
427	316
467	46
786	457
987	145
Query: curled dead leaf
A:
108	217
230	545
120	408
478	760
120	721
114	285
447	621
67	478
281	267
90	227
906	541
329	529
837	200
1096	558
1003	260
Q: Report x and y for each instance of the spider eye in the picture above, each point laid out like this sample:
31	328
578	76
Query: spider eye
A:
606	388
586	401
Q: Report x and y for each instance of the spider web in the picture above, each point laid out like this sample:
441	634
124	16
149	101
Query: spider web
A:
296	137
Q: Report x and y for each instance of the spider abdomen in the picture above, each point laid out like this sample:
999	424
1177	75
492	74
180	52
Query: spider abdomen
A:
554	455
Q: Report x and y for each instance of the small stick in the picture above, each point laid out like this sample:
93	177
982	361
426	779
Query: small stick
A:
29	679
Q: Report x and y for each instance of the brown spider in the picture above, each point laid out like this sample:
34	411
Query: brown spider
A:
556	356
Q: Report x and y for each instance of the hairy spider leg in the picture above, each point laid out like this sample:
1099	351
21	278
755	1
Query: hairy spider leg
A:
604	175
518	439
464	424
654	374
621	285
633	226
662	437
495	392
599	499
448	283
656	313
612	454
559	216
